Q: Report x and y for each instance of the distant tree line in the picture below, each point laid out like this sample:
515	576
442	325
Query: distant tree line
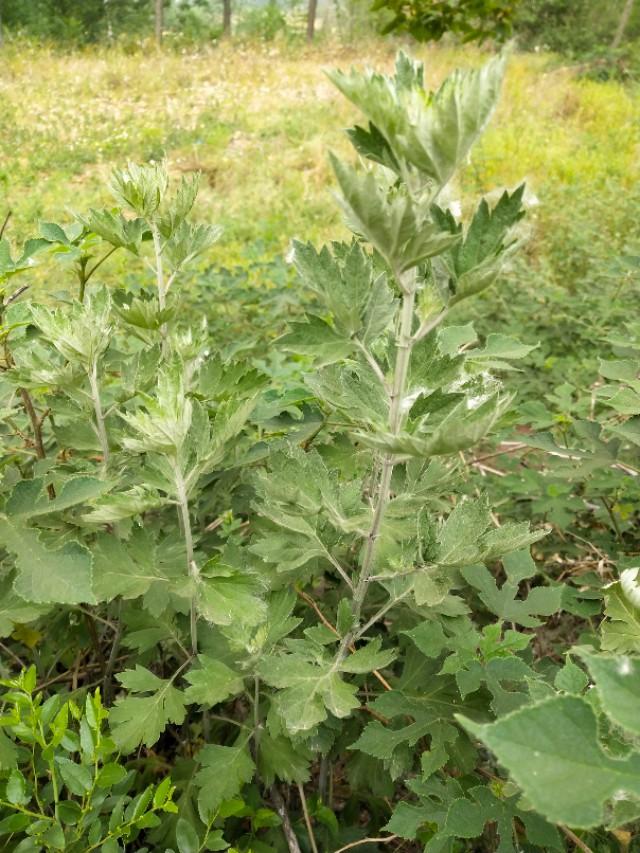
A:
87	21
567	26
577	27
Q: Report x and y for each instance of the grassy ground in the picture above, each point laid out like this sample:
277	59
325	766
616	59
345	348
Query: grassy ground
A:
257	121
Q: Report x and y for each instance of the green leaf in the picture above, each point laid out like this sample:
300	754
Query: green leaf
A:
223	771
128	569
227	595
77	777
279	758
308	689
617	681
8	752
354	391
53	233
14	823
186	837
357	297
451	339
139	720
503	601
212	683
27	499
389	219
459	429
466	818
427	713
16	790
547	747
14	610
114	228
45	576
621	628
69	812
111	774
571	679
406	820
318	339
475	262
368	658
468	536
459	537
433	133
498	348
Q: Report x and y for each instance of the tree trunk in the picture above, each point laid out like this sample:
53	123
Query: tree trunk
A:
107	15
1	30
226	17
159	21
311	19
622	24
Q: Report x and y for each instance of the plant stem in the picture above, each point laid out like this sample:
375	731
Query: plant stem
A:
162	290
157	248
82	277
192	568
5	223
56	793
99	263
307	819
107	688
404	345
281	808
381	840
577	841
36	425
614	520
379	614
257	726
18	808
99	414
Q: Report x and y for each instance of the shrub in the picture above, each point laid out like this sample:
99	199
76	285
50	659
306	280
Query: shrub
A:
62	783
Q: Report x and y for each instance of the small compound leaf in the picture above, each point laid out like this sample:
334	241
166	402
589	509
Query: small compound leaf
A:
223	771
212	682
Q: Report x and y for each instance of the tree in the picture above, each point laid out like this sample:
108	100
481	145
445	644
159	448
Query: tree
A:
159	20
226	17
311	19
623	22
429	20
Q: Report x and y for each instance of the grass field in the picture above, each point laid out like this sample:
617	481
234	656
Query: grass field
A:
257	121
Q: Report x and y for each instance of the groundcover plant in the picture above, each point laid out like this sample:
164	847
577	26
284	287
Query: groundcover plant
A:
271	614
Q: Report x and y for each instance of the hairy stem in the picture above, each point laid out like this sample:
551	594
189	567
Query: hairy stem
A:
157	248
99	414
404	345
162	287
192	568
379	614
